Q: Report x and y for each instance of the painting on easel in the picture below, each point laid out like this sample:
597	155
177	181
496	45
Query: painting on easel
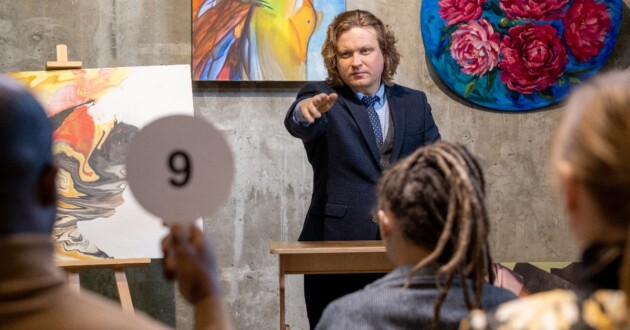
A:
95	112
271	40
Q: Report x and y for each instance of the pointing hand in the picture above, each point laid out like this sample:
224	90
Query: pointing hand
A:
312	108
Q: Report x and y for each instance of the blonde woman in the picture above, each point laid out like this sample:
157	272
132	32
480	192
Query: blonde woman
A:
591	163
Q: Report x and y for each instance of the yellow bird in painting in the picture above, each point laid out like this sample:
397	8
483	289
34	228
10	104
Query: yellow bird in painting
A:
252	40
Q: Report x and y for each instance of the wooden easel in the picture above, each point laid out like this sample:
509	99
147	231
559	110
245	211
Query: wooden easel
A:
118	266
62	62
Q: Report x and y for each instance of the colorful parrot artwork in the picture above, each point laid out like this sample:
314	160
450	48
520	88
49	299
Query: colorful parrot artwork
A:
259	39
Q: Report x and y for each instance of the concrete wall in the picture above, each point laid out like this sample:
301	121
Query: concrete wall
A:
273	179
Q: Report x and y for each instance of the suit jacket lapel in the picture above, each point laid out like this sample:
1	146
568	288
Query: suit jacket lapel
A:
358	112
397	111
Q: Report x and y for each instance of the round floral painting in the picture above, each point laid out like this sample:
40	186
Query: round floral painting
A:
517	55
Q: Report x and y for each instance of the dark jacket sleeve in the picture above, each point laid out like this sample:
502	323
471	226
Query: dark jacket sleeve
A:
431	132
313	131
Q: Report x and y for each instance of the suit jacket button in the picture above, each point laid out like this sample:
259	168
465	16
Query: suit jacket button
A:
374	219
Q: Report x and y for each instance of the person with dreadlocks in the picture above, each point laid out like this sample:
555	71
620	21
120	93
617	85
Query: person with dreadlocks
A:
433	219
590	160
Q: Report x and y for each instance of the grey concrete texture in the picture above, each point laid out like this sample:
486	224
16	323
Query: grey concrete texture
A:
272	187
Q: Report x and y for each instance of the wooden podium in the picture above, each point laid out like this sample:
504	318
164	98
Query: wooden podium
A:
332	257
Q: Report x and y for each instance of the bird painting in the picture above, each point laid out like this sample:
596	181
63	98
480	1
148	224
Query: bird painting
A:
258	39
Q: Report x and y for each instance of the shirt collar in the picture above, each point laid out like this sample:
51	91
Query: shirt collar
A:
380	93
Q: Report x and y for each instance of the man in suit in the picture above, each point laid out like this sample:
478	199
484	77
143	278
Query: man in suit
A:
352	126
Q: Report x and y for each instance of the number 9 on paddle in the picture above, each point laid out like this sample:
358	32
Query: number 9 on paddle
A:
179	168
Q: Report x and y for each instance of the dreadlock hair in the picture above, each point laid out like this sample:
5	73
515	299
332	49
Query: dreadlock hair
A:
437	195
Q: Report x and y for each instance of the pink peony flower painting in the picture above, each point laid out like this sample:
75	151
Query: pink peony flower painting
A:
533	58
518	55
457	11
475	47
536	10
586	25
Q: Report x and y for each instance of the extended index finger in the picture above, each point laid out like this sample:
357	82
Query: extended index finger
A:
320	99
332	98
327	103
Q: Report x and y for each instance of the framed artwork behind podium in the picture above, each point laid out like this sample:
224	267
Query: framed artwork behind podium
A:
269	40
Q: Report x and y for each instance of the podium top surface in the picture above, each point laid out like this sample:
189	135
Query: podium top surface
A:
326	247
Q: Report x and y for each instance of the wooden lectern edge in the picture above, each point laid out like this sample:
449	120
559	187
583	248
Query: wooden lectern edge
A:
317	247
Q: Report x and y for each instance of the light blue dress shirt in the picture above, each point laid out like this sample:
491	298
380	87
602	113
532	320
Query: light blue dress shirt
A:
381	107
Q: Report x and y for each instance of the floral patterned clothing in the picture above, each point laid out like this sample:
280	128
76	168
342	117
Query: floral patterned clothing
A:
557	309
597	304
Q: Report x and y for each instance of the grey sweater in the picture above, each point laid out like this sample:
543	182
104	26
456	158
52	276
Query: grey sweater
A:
385	305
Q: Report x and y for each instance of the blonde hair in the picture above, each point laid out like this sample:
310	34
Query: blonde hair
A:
359	18
593	140
437	194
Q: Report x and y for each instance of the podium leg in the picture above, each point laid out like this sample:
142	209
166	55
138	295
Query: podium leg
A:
281	278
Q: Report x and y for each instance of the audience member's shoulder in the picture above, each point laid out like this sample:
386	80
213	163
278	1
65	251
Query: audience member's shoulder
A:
353	301
557	309
352	309
494	296
344	312
97	312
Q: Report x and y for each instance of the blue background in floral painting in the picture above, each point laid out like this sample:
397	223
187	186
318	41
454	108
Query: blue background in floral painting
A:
489	91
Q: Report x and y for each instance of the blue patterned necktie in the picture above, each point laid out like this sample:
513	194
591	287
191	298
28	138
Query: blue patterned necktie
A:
369	102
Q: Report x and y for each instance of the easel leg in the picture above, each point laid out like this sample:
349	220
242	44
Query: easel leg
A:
123	291
74	282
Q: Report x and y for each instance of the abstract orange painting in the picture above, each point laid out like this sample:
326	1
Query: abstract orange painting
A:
95	112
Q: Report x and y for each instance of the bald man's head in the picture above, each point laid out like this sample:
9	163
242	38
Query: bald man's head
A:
26	152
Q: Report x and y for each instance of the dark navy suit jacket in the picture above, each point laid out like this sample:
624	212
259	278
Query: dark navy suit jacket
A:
342	150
